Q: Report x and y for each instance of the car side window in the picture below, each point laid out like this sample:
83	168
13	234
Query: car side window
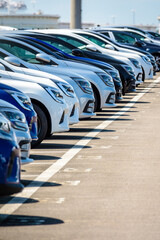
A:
105	33
123	38
137	36
75	42
59	46
19	51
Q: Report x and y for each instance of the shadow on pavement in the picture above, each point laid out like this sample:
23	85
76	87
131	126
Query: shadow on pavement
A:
109	115
89	130
43	157
7	199
59	146
42	184
71	137
24	220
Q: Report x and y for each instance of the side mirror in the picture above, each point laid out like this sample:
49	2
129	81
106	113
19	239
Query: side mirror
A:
139	44
77	52
2	67
108	46
147	40
43	57
91	48
13	60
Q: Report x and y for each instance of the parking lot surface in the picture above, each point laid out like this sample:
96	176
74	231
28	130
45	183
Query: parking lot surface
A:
99	180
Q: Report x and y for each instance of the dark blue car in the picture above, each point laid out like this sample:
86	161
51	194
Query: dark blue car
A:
23	103
9	160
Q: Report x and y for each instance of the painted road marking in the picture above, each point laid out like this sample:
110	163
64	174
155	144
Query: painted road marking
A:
60	200
88	170
29	190
106	147
72	183
70	170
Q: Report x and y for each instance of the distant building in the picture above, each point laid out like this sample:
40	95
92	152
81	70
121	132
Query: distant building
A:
64	25
147	27
29	21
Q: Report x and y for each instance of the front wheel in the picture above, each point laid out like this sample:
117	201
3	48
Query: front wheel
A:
42	125
97	107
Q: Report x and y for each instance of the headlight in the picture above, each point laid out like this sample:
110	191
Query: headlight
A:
23	100
83	84
106	78
135	63
151	57
66	88
146	59
129	69
55	94
5	125
6	131
17	119
114	74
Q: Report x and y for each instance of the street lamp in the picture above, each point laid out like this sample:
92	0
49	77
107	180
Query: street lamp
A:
113	19
134	16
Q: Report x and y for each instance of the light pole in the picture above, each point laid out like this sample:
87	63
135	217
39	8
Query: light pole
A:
75	14
113	19
133	16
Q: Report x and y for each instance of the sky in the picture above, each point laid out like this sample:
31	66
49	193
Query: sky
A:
102	12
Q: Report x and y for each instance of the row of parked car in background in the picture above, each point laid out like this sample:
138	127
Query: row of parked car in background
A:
50	79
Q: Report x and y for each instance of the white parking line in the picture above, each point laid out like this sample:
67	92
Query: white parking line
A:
20	198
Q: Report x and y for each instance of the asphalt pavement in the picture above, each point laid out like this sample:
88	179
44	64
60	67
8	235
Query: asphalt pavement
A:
100	180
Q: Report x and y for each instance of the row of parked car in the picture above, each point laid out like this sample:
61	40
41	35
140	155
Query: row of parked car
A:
51	79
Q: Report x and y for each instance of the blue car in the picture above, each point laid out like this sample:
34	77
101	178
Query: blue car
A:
23	103
9	160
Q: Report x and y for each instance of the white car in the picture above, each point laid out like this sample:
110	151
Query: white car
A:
20	126
91	43
65	88
144	61
102	83
81	86
51	109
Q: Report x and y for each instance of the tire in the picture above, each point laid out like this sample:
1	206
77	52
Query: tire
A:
42	125
97	99
95	102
